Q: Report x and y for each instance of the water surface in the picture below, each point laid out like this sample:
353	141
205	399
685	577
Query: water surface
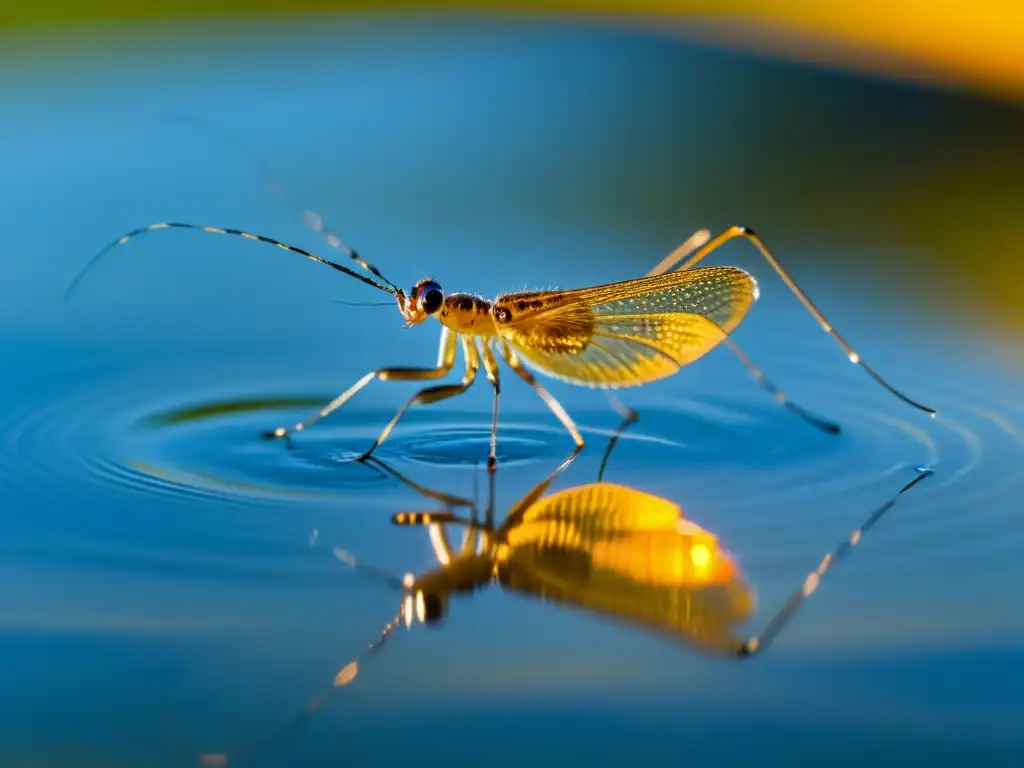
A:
165	593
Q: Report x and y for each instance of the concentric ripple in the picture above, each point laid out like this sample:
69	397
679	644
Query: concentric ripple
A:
218	444
769	474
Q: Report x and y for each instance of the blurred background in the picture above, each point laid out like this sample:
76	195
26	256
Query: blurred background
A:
925	160
161	595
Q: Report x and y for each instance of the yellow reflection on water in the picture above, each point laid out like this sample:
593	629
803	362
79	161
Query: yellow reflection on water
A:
609	549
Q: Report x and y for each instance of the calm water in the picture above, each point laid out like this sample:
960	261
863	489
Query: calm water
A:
163	592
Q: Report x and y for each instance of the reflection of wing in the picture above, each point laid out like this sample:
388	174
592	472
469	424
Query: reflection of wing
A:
615	508
628	556
629	333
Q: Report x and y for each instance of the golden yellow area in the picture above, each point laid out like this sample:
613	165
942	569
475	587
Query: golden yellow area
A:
627	333
958	43
947	41
701	556
665	559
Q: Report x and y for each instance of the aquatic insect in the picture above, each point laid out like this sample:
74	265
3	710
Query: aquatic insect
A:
607	548
613	336
610	550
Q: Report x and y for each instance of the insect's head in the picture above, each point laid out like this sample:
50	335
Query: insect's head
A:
424	607
425	299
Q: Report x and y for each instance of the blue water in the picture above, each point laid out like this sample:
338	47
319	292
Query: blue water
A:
168	583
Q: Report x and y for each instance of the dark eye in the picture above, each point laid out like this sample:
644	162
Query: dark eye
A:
432	300
503	314
434	608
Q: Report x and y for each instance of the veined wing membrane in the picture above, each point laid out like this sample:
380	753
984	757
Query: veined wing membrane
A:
628	333
604	508
635	565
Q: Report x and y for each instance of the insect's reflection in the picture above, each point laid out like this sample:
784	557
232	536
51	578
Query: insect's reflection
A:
609	549
617	552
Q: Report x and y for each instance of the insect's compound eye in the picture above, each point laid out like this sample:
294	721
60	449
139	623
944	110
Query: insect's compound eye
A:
431	607
432	300
503	314
431	297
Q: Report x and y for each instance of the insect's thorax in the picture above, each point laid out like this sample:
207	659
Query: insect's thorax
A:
467	314
464	574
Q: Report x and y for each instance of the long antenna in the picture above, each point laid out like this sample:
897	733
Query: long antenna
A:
389	288
276	739
373	572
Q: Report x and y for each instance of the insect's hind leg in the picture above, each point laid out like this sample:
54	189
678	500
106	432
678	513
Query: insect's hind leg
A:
433	394
852	355
760	642
692	243
629	417
777	394
445	362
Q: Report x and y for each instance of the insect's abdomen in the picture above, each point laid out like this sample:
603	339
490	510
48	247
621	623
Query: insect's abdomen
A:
467	314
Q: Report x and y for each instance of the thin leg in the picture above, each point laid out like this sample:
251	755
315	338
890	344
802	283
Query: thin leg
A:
445	361
629	417
449	500
280	738
445	555
442	547
853	356
695	241
489	512
491	368
436	523
474	537
433	394
777	394
515	515
510	357
759	643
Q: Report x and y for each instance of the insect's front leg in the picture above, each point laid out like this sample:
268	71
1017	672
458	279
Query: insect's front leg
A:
434	394
445	362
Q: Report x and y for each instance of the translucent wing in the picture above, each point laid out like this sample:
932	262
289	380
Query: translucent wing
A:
614	507
630	557
629	333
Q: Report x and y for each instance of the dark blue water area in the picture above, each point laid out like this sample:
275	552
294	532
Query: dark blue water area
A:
168	583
